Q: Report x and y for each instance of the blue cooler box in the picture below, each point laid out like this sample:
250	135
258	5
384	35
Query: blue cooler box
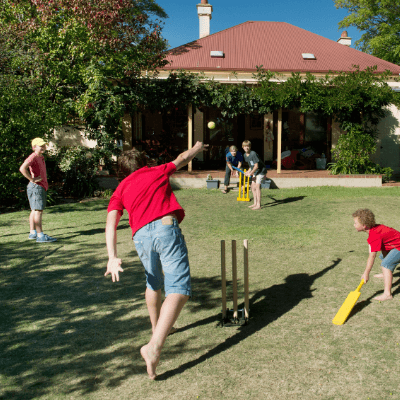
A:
266	184
321	163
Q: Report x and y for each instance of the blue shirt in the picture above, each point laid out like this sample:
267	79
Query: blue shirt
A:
234	160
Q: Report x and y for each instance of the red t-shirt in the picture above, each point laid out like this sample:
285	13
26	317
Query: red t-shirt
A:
147	195
37	166
382	237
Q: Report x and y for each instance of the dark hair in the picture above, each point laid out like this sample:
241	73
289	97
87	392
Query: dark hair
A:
130	161
365	216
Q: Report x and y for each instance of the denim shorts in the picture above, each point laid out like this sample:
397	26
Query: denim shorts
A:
391	260
163	253
36	196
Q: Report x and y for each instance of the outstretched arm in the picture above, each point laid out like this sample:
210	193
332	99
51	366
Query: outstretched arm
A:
114	263
188	155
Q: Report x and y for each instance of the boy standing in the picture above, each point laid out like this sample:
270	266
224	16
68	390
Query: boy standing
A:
257	169
34	169
154	216
380	238
235	158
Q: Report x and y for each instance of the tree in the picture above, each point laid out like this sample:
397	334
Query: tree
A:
379	20
26	111
68	60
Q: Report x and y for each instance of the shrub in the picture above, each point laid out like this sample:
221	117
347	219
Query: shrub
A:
78	166
352	153
376	169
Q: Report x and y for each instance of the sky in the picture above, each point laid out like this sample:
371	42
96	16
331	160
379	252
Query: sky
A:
317	16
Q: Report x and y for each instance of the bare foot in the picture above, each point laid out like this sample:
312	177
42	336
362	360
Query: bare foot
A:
378	276
256	208
151	360
383	297
252	206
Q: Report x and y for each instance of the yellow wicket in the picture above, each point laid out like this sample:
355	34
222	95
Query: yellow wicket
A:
244	189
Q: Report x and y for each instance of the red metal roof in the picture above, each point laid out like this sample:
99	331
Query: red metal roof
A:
277	46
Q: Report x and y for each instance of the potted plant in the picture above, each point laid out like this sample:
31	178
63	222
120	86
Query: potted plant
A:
212	183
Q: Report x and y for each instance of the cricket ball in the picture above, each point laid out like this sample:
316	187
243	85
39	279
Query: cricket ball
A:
211	125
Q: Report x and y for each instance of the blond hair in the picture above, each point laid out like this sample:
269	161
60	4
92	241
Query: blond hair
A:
233	148
365	216
246	143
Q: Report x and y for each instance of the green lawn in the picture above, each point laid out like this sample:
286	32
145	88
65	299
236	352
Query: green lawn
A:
68	332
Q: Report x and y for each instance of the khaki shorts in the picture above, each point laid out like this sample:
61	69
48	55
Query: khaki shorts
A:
37	196
259	178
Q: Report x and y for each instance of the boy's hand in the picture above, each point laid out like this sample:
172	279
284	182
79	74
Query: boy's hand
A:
36	179
113	268
201	146
365	276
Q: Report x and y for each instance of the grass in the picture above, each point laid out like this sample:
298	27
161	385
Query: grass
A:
67	332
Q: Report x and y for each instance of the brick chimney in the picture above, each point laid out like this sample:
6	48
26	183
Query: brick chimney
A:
204	11
344	39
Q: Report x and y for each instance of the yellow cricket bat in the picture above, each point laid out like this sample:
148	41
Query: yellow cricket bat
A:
347	306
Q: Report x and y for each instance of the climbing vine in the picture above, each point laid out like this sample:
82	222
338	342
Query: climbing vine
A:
356	99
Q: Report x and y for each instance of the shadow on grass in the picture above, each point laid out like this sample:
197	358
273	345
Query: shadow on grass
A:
364	303
98	205
62	322
65	329
360	306
57	232
266	306
283	201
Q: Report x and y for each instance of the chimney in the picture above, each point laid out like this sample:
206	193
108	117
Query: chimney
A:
204	11
344	39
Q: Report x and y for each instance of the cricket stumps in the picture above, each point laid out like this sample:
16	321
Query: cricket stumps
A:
244	188
235	316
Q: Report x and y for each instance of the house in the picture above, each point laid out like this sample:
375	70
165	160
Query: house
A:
231	56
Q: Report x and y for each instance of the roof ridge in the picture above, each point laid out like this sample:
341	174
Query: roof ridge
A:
226	29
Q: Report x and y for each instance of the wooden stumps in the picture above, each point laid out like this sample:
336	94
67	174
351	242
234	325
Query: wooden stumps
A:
234	281
246	278
223	279
245	312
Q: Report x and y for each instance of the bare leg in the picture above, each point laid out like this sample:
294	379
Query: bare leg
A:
37	220
384	254
31	221
153	301
170	311
253	190
257	196
387	281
